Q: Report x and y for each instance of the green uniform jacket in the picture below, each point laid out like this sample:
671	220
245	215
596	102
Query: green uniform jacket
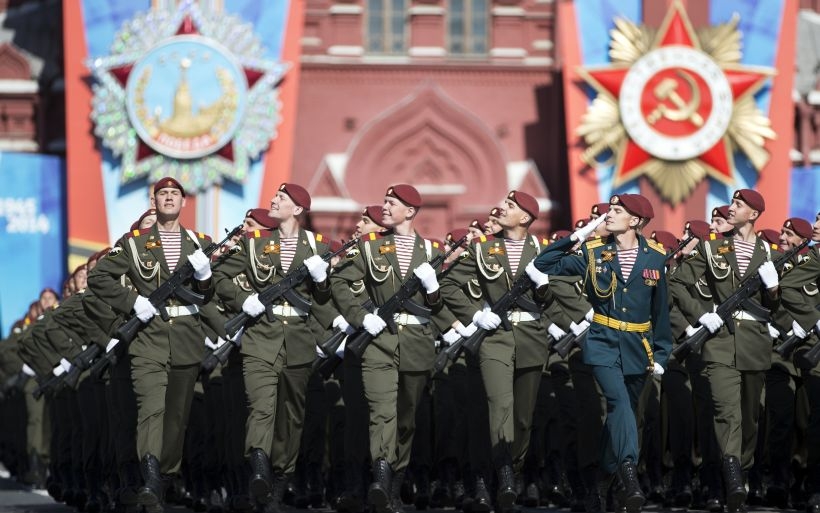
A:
750	348
140	257
258	265
641	298
35	349
526	344
374	261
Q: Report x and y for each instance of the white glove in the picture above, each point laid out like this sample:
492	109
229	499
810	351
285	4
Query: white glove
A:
450	336
112	344
577	329
58	370
65	364
538	278
373	324
657	370
588	316
144	309
690	331
817	327
317	268
798	330
466	331
555	332
711	321
252	306
773	332
768	275
427	275
340	351
581	234
209	344
319	353
486	319
201	264
28	371
341	323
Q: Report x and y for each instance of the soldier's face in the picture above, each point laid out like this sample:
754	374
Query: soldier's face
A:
80	279
741	213
283	207
719	225
789	239
148	222
600	230
169	201
48	299
394	212
512	215
815	230
365	226
619	220
250	224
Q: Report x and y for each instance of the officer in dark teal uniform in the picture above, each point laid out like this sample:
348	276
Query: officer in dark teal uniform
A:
629	337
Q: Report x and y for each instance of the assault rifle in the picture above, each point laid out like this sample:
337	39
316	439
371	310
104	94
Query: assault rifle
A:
359	341
79	363
283	288
173	286
808	359
565	344
740	298
682	245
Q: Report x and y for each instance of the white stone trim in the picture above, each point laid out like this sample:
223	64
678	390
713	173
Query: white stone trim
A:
334	204
814	156
427	51
386	59
345	9
311	41
508	52
504	10
346	50
18	145
426	10
18	86
539	61
814	97
442	189
543	44
795	155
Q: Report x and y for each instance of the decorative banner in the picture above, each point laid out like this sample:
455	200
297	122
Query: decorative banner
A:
31	232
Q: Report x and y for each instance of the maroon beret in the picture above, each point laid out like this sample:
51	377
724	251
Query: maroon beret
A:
149	212
494	212
599	209
297	193
580	223
405	193
665	239
799	226
374	213
635	204
560	234
262	216
169	183
527	203
751	198
769	235
476	224
721	211
456	235
699	229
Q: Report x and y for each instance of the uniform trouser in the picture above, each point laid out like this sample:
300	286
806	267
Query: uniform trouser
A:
215	426
450	397
122	406
421	451
392	398
678	405
511	396
563	440
780	411
811	382
312	450
276	414
649	424
336	430
94	424
478	420
356	440
736	399
38	430
236	415
619	438
164	394
590	412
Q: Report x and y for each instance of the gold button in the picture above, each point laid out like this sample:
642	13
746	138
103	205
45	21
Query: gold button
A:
515	323
170	321
626	289
623	309
284	321
622	326
401	327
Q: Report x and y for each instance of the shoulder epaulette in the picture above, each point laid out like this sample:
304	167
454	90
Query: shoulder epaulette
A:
319	237
595	243
545	241
657	247
484	238
255	234
435	244
201	235
374	236
137	233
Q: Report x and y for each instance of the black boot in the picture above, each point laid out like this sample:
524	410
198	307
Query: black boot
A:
260	482
378	494
813	504
632	494
482	502
733	479
273	501
422	496
150	495
396	504
506	488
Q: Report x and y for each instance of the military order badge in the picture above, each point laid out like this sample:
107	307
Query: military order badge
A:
674	104
186	94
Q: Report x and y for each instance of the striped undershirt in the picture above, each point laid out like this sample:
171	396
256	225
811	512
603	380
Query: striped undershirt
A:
743	251
514	250
172	247
404	251
287	250
626	259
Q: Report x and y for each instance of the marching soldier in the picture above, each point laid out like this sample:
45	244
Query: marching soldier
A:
804	314
395	366
738	355
626	286
278	344
165	354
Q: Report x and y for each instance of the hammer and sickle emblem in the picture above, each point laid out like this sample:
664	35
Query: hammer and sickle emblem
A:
667	89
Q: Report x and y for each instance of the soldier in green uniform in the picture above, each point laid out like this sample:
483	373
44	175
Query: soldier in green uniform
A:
395	365
278	344
511	361
165	354
738	356
629	336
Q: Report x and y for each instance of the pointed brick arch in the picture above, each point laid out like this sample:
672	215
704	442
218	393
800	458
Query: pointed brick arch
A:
430	141
13	64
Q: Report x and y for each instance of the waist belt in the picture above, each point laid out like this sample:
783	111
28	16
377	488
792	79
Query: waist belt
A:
621	325
288	311
404	319
180	310
522	316
743	315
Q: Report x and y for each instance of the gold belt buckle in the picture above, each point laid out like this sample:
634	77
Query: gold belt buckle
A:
622	326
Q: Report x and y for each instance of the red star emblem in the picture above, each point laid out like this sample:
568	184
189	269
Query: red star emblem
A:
675	102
